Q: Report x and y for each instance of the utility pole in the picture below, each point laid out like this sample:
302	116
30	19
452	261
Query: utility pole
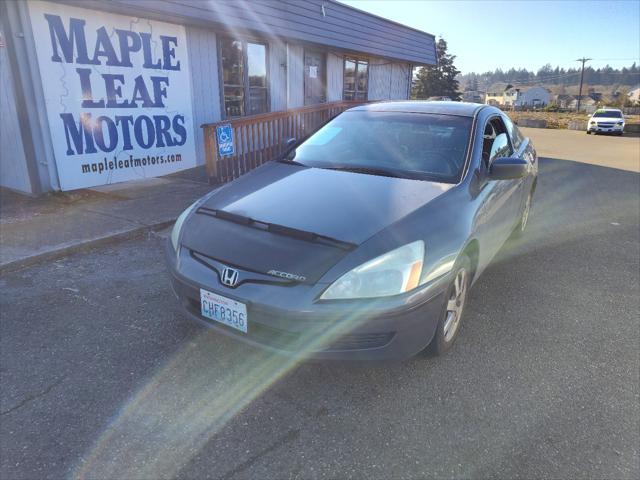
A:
583	60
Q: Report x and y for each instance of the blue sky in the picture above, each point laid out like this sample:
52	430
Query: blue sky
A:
485	35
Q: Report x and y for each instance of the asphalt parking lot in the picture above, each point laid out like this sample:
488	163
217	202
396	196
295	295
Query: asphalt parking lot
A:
575	145
103	377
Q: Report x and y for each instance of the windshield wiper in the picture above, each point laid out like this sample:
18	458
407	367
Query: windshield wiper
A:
383	172
290	161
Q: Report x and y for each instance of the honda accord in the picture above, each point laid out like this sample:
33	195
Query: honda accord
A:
362	241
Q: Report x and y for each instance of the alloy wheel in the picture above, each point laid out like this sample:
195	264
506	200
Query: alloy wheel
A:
455	305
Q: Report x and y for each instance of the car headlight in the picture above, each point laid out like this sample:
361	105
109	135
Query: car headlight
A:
395	272
620	123
175	233
592	123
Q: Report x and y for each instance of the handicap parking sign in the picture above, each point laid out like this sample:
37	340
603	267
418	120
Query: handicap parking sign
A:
225	140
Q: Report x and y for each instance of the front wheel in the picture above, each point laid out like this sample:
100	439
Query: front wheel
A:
588	132
456	299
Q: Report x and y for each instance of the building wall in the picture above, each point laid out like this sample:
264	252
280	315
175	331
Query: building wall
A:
400	77
295	76
278	75
205	89
335	77
388	80
379	79
29	100
13	162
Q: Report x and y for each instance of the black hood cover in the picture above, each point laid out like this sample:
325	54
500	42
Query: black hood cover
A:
346	207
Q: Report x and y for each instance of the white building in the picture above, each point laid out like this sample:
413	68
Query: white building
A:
532	97
520	97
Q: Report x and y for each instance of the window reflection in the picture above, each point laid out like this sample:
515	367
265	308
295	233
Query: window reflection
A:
356	79
244	67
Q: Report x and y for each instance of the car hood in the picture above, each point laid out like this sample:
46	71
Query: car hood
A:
343	205
339	206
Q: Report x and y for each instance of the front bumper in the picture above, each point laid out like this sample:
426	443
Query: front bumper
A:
606	129
395	329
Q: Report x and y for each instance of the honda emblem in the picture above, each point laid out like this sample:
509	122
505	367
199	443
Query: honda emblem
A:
229	277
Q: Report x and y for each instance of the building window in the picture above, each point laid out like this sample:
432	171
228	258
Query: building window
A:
356	79
244	78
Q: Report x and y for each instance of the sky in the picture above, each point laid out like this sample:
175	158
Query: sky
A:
485	35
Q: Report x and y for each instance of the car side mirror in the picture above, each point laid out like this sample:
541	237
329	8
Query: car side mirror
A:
288	149
508	168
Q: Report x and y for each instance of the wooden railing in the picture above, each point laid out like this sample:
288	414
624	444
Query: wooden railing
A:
260	138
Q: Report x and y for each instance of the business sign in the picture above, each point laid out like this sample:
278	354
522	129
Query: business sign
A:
117	93
224	134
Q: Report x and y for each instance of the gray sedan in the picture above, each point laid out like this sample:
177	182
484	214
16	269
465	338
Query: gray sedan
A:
362	241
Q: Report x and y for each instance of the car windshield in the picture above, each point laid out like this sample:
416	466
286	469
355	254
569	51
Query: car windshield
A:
608	114
410	145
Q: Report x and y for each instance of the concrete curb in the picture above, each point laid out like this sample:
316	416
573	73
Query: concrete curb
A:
62	251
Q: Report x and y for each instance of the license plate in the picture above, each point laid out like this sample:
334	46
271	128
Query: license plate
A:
224	310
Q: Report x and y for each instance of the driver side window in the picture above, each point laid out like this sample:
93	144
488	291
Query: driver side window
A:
496	141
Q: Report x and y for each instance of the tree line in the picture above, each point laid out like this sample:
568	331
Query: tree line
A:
553	76
444	79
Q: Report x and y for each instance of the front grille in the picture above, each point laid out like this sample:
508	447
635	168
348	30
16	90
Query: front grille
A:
292	341
605	125
360	341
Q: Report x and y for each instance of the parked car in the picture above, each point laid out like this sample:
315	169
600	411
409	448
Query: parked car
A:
608	120
363	240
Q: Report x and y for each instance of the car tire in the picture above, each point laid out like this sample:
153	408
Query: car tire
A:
588	132
456	297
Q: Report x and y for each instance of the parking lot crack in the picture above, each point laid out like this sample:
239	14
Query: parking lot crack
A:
33	397
290	436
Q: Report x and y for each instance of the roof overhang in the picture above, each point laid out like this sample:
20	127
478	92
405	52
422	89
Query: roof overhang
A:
320	22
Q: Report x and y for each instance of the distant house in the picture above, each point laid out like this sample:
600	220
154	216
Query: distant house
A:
494	98
510	96
587	104
473	96
520	97
533	97
562	100
500	96
634	95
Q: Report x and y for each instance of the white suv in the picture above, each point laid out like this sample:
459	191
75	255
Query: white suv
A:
606	120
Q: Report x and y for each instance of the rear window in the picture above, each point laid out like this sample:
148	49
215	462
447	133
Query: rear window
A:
421	146
608	113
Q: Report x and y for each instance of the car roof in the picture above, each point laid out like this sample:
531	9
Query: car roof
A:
422	106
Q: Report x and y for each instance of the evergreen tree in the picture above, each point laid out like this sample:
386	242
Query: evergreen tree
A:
440	79
472	84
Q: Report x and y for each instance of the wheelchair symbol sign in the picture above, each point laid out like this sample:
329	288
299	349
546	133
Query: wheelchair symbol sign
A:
225	140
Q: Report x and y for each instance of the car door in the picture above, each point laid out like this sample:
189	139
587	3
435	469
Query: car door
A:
519	150
496	213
